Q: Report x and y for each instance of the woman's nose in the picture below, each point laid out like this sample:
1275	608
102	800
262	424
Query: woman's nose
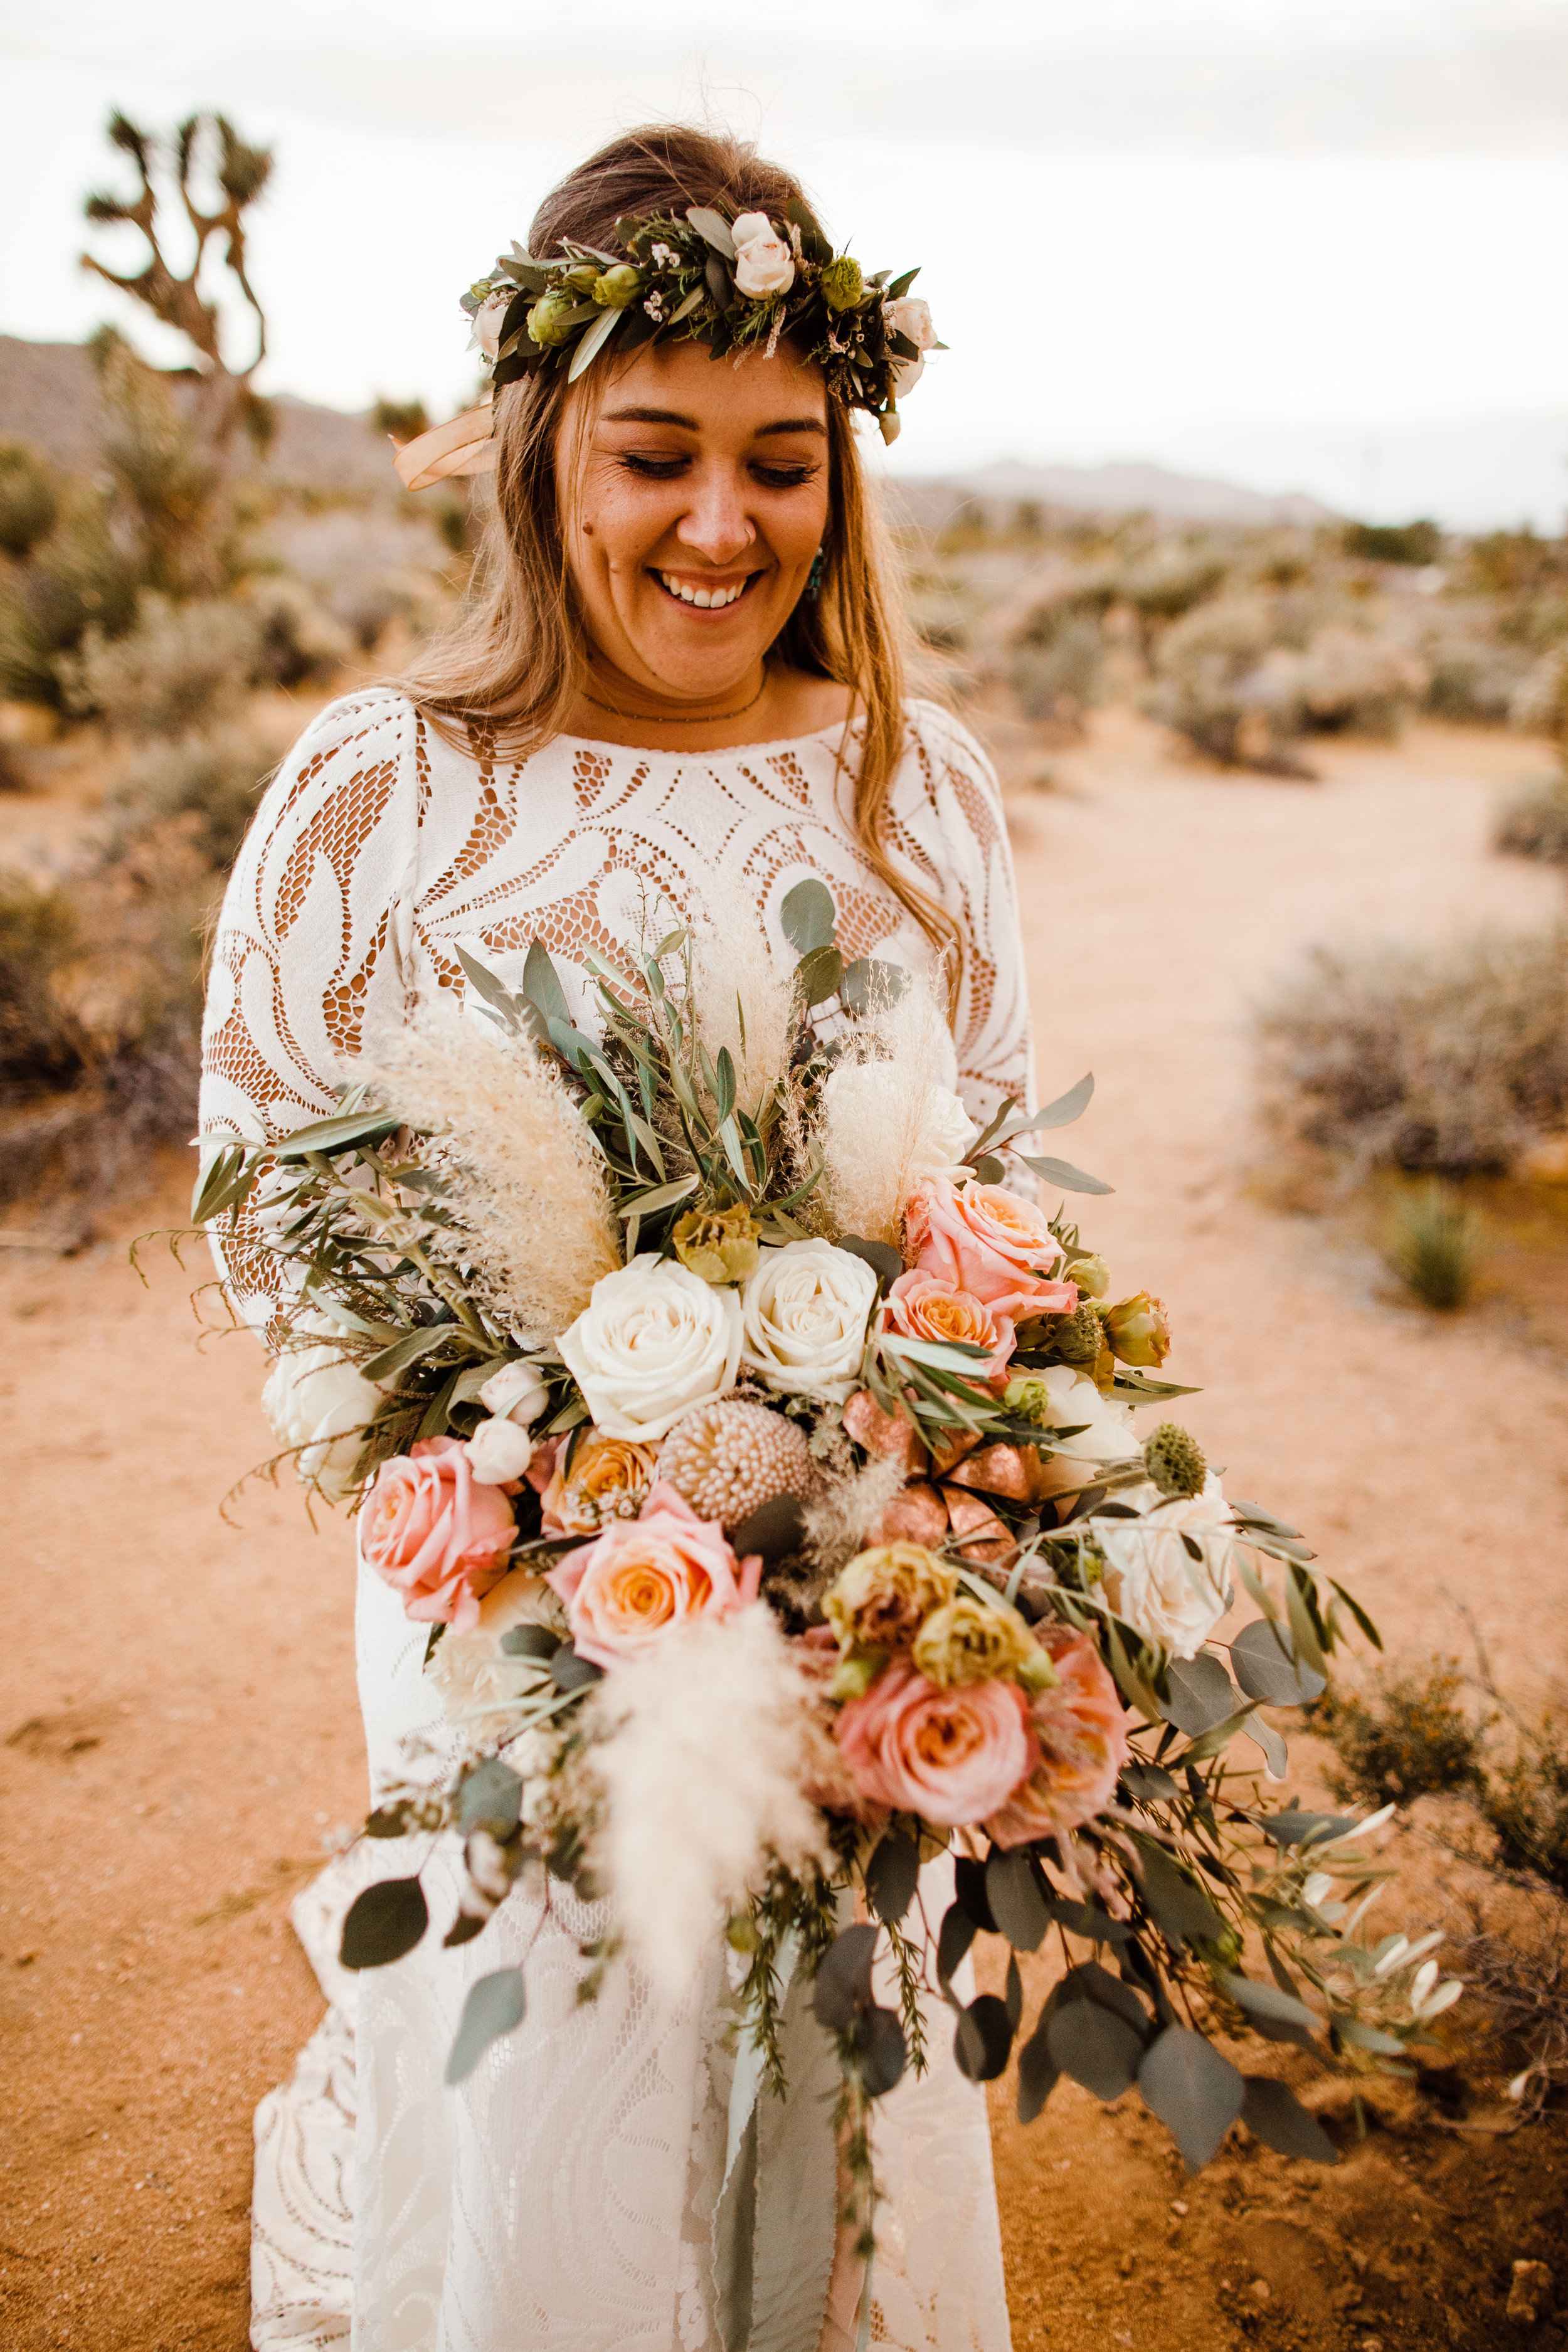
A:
716	525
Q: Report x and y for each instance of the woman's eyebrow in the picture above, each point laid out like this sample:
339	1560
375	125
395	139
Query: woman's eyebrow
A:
691	424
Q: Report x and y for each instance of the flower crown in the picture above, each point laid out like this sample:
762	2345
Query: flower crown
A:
737	284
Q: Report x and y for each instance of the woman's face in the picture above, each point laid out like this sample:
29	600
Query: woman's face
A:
694	495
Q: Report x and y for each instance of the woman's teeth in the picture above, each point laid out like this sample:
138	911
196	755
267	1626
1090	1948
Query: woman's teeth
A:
706	599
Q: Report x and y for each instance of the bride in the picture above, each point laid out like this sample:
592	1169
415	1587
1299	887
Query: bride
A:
678	685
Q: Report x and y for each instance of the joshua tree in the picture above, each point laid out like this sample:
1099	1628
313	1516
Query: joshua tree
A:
205	147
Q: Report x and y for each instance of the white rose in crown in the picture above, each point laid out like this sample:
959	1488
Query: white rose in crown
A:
910	318
1152	1581
863	1098
763	263
1104	1429
487	321
516	1392
317	1400
805	1311
654	1340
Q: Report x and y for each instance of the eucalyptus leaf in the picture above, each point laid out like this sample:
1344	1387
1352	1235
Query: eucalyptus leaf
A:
881	2046
1090	1981
495	2006
1064	1175
1181	1911
529	1642
969	1886
1016	1900
1066	1107
1150	1782
569	1671
985	2039
383	1922
491	1797
1267	1668
1276	2116
891	1876
843	1989
1275	1755
808	915
714	227
818	974
1097	2049
881	1256
1268	2000
952	1943
1087	1920
385	1367
775	1528
1200	1694
1196	2094
867	983
1038	2073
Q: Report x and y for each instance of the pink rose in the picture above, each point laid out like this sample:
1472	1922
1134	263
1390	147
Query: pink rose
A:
927	1306
434	1534
951	1755
986	1240
1081	1728
644	1575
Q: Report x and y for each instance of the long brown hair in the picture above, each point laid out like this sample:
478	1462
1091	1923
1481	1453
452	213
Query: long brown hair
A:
515	654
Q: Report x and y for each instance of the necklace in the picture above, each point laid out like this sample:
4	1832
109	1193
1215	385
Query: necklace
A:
707	718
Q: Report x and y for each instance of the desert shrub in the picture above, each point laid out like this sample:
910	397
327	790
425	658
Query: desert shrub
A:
299	639
1540	703
1533	822
403	420
210	780
1063	674
1390	543
1223	683
1350	679
42	1044
1450	1060
1471	676
1169	581
29	499
1434	1245
1407	1736
166	481
1527	1805
1508	563
183	665
75	579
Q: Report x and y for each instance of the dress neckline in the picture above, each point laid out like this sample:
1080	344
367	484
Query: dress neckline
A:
837	726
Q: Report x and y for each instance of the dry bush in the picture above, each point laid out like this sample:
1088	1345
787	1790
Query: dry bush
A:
1472	677
1450	1060
1534	822
1060	679
1434	1245
1348	679
1223	682
29	499
183	667
42	1043
1407	1738
297	637
78	577
208	784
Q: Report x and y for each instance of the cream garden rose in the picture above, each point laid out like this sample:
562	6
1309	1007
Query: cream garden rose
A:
487	321
1070	1399
910	318
804	1311
763	263
654	1340
1152	1581
315	1400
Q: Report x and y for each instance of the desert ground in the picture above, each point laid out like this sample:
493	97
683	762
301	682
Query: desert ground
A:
180	1736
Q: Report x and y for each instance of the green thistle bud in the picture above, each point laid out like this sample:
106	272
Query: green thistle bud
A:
547	322
1175	1460
1139	1330
1078	1338
721	1247
619	288
1090	1273
843	288
582	277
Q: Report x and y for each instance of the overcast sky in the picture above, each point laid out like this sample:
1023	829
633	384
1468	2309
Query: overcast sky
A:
1299	243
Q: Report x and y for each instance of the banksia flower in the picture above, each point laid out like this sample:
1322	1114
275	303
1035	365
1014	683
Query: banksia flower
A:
729	1458
1174	1461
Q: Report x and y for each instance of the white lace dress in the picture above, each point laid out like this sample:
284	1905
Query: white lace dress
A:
574	2192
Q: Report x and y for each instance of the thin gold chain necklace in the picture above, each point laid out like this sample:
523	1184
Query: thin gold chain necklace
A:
707	718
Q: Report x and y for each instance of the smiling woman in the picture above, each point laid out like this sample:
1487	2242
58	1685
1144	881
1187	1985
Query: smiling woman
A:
678	694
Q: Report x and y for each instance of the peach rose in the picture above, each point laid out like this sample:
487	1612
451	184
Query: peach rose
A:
984	1240
607	1479
438	1537
645	1575
1082	1727
927	1306
951	1756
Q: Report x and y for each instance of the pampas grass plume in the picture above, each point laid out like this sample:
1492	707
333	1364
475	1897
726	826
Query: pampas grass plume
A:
715	1738
734	977
873	1166
526	1180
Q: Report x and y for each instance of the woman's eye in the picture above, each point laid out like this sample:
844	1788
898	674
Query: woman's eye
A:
783	478
654	469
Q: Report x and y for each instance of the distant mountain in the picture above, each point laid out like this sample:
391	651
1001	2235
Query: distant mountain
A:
1130	488
48	396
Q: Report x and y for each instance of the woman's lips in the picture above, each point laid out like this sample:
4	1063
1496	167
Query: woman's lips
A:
705	600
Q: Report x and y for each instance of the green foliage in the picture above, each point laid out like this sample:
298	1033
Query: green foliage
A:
1534	822
29	499
42	1044
1435	1246
1407	1736
183	667
1384	542
76	578
1449	1059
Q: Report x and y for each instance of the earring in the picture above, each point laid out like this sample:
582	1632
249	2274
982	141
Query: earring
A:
818	562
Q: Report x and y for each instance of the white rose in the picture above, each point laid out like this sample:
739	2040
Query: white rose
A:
653	1340
473	1676
806	1312
907	374
487	321
763	263
1152	1581
516	1392
864	1098
910	318
499	1451
1105	1428
317	1400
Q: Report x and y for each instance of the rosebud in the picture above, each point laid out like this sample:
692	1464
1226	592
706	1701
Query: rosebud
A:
619	288
548	320
1174	1461
721	1247
1139	1330
843	288
582	277
1089	1272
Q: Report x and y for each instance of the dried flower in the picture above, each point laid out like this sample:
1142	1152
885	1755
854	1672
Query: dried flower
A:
728	1459
880	1601
1174	1461
971	1641
719	1245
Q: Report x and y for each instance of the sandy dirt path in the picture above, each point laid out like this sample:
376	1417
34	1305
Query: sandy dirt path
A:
176	1693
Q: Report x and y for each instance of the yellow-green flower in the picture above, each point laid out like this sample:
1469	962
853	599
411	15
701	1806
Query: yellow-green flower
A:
843	288
719	1245
970	1641
548	320
880	1601
619	288
1139	1330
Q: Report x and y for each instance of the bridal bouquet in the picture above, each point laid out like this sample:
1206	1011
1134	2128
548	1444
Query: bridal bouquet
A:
761	1454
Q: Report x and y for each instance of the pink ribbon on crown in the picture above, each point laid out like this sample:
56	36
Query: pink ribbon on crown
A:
463	445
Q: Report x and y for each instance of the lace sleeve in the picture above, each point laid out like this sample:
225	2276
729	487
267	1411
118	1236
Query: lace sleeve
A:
312	943
948	821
